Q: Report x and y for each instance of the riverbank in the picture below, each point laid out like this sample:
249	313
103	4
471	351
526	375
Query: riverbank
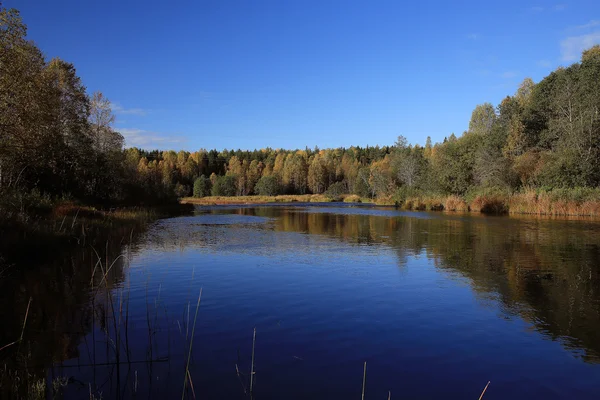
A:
584	202
558	202
292	198
42	234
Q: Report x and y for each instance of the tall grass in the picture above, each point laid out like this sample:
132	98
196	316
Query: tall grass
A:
455	203
255	199
557	202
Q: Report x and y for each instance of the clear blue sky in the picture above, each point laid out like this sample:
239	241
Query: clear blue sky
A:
295	73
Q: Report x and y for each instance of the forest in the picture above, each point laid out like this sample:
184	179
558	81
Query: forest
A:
536	151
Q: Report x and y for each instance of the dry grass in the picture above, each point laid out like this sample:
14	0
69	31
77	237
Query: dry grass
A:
455	203
531	201
242	200
224	200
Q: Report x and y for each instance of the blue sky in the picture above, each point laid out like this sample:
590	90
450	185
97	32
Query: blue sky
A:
296	73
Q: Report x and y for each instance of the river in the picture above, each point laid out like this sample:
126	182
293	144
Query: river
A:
436	304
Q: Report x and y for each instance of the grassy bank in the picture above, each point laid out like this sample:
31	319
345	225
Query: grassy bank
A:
242	200
558	202
38	234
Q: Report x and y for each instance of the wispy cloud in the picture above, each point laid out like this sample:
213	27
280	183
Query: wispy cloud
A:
592	24
509	74
473	36
120	110
555	7
149	140
571	47
544	63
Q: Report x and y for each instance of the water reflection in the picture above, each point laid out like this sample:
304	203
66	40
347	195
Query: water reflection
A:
272	267
547	271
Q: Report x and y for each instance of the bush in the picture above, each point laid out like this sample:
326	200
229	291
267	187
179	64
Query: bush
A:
336	190
268	186
224	186
353	198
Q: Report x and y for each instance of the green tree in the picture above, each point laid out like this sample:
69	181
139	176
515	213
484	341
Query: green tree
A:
225	186
268	186
202	186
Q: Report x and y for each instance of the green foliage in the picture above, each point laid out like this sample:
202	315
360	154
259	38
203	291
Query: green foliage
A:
268	186
202	186
404	192
225	186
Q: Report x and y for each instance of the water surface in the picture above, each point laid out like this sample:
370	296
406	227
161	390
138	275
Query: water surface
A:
436	304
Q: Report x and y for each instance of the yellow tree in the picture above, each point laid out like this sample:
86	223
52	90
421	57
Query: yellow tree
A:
253	175
317	175
294	173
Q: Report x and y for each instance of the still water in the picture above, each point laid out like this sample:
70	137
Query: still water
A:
436	304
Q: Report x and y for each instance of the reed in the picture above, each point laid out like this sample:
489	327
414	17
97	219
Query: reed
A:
20	339
364	383
484	389
187	365
455	203
252	365
557	202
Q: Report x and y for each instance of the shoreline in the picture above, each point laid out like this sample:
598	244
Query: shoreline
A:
65	226
518	204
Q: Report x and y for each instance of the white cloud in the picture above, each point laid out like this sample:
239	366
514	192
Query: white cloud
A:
149	140
559	7
473	36
118	109
537	9
572	47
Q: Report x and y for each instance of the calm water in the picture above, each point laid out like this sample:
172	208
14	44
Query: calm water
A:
436	304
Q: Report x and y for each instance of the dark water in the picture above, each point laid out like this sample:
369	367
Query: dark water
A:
436	304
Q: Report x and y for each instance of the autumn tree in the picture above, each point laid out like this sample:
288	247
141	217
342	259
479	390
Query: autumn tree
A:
318	176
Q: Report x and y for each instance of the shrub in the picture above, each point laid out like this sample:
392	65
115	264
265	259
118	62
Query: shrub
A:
353	198
336	189
224	186
267	186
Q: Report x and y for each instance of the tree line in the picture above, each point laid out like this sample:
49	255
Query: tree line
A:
546	136
58	141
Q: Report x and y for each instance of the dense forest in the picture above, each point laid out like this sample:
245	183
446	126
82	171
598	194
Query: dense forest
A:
57	142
